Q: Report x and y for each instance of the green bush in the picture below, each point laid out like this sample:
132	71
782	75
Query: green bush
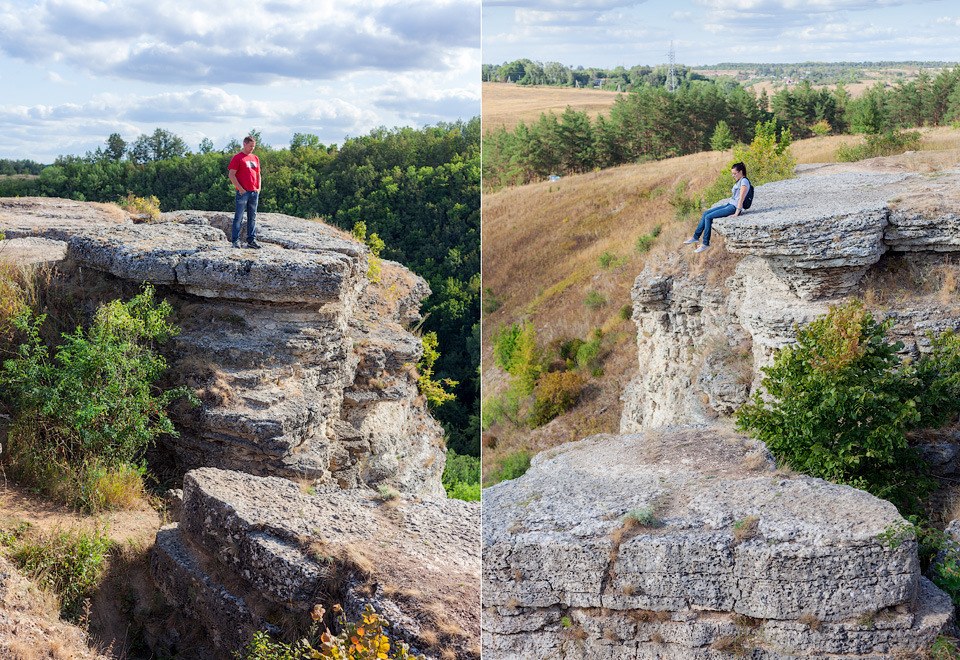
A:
511	466
821	128
682	204
84	418
588	354
461	477
433	388
556	393
515	349
500	409
843	402
879	144
491	301
69	563
607	259
595	300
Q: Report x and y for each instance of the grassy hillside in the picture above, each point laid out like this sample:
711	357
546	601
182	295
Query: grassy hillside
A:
551	248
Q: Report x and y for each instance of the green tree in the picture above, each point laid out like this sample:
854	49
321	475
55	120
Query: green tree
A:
116	147
722	138
160	145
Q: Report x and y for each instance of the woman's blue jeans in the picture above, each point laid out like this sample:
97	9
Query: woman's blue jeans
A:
245	201
706	222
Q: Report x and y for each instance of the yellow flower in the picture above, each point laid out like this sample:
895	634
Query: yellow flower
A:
317	612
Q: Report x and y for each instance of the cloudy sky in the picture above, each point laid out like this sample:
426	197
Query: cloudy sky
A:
74	71
607	33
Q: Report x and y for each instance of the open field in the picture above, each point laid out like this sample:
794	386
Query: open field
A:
505	104
868	79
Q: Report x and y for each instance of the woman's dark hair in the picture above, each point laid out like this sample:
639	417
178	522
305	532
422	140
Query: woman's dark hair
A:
740	167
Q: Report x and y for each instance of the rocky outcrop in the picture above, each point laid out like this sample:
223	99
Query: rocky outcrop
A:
256	553
806	244
55	219
305	371
685	544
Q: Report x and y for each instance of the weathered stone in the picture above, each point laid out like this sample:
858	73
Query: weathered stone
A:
305	371
809	240
200	260
55	219
555	546
251	549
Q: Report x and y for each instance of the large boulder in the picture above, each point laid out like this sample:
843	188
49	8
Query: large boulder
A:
257	553
686	543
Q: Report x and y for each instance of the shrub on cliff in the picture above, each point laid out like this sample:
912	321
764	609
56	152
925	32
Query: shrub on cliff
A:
357	640
83	418
766	158
843	402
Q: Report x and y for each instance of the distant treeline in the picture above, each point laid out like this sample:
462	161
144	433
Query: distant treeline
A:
419	190
651	123
528	72
11	167
622	79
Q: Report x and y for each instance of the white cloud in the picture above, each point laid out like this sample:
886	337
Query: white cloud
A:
219	42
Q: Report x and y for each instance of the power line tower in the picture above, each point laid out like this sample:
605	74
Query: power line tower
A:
671	70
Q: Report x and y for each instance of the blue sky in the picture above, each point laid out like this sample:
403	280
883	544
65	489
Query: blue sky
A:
74	71
607	33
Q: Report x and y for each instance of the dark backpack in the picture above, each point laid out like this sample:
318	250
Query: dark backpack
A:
748	200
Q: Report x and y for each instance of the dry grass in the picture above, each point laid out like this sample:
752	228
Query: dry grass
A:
754	460
541	257
506	104
897	278
746	529
810	620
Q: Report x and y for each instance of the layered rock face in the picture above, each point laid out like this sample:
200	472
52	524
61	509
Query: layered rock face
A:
806	244
667	545
305	371
255	553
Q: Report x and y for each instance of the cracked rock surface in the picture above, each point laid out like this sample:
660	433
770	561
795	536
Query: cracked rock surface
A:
721	545
255	553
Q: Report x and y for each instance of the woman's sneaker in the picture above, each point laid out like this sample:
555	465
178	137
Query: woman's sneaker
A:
690	240
702	248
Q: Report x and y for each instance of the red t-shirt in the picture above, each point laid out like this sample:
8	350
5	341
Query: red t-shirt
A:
248	170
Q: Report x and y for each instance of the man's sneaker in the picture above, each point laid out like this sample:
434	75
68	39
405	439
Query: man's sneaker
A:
253	244
236	244
690	240
702	248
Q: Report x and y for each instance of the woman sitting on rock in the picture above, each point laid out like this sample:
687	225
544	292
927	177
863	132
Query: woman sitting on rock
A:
723	208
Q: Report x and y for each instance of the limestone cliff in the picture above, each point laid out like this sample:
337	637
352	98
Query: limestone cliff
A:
677	539
807	243
305	368
306	371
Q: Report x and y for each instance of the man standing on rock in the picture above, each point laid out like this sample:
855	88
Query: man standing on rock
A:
244	173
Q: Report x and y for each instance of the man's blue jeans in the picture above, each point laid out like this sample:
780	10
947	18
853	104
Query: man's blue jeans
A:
706	222
246	201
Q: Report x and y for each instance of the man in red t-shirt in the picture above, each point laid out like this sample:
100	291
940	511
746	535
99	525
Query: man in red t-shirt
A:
244	173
